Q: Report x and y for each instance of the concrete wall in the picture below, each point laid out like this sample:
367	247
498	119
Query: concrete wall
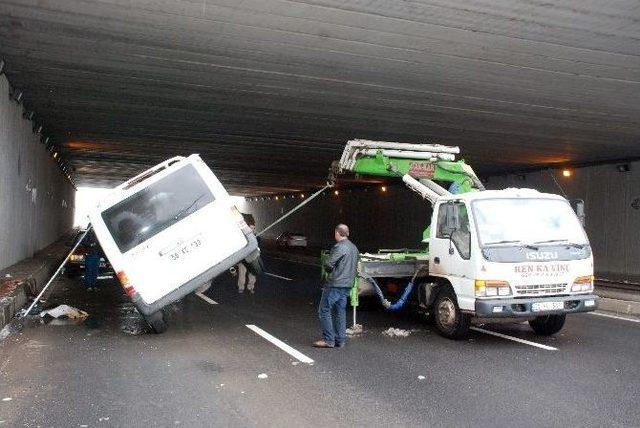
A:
36	200
397	218
392	219
612	203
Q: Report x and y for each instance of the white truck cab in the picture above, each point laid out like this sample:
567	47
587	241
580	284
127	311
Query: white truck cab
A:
509	253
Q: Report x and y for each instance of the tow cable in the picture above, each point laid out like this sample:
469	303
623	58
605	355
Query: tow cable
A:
403	297
296	208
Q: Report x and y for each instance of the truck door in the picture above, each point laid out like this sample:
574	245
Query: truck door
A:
450	253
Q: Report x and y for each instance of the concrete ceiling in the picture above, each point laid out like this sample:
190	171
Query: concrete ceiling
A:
268	91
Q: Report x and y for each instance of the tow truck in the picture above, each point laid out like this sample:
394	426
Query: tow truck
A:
513	254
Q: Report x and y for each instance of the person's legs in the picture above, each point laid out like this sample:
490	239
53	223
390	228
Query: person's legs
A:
251	282
326	321
242	277
340	319
91	266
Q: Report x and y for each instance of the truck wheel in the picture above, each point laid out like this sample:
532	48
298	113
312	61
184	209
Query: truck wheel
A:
548	324
157	322
450	320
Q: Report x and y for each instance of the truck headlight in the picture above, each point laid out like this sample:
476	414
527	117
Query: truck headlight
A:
582	284
492	288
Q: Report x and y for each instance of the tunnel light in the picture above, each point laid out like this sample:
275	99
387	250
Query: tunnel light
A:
302	196
336	192
55	155
276	198
566	173
383	188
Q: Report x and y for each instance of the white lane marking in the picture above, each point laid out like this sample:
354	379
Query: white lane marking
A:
515	339
278	276
206	299
614	317
280	344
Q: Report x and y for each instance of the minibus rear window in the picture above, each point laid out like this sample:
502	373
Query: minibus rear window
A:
157	207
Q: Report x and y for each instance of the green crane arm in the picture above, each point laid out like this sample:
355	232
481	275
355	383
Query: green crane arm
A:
418	165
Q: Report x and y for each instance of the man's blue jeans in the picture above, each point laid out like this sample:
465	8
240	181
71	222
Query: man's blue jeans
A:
333	316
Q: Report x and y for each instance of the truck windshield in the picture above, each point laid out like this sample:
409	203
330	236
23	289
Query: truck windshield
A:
527	222
157	207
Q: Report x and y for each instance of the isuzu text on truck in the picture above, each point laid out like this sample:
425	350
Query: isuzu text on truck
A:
513	254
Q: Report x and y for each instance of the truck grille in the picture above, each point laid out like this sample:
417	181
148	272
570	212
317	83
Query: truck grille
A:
537	289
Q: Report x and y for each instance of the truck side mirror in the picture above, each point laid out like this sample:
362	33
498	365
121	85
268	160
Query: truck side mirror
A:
452	217
578	207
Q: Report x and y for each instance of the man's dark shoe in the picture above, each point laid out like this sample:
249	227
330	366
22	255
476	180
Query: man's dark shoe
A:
340	345
322	344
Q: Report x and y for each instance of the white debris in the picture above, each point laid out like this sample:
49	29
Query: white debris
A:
295	363
106	418
262	376
354	330
421	377
396	332
66	311
7	399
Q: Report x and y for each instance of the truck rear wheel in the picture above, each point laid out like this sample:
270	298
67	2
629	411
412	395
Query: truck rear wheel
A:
157	322
548	325
450	320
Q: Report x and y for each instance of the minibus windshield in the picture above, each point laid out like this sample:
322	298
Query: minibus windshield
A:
157	207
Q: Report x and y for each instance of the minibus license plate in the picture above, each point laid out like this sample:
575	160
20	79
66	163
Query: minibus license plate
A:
547	306
181	251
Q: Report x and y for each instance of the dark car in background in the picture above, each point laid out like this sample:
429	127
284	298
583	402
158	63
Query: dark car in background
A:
74	268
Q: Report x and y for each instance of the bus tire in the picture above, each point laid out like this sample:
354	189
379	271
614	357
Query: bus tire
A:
450	321
548	325
157	322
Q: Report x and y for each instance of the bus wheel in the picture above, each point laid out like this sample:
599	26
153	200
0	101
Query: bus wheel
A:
157	322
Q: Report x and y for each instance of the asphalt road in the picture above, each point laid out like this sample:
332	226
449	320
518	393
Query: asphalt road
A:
204	370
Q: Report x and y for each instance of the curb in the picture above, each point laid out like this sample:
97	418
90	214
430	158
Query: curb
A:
619	307
26	282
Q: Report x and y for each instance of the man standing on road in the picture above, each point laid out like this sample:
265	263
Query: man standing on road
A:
342	265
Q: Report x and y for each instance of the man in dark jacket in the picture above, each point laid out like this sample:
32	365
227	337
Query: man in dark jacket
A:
342	265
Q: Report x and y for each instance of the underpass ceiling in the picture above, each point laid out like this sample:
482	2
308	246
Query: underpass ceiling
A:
268	91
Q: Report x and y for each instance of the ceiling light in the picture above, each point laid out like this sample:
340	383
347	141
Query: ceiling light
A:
566	173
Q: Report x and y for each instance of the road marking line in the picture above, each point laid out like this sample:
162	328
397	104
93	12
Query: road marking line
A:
515	339
206	299
278	276
613	316
280	344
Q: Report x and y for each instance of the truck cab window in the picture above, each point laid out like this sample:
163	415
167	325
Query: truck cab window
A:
461	237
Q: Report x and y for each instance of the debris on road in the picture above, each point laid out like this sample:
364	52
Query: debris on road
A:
262	376
421	377
396	332
7	399
65	312
354	330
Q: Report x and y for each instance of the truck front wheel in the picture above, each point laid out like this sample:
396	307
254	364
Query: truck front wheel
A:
450	320
157	322
548	324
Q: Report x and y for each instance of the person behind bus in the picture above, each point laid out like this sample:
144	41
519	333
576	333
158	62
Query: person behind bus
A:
245	278
92	264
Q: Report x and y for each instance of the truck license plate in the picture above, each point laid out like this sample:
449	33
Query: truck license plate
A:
182	250
547	306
